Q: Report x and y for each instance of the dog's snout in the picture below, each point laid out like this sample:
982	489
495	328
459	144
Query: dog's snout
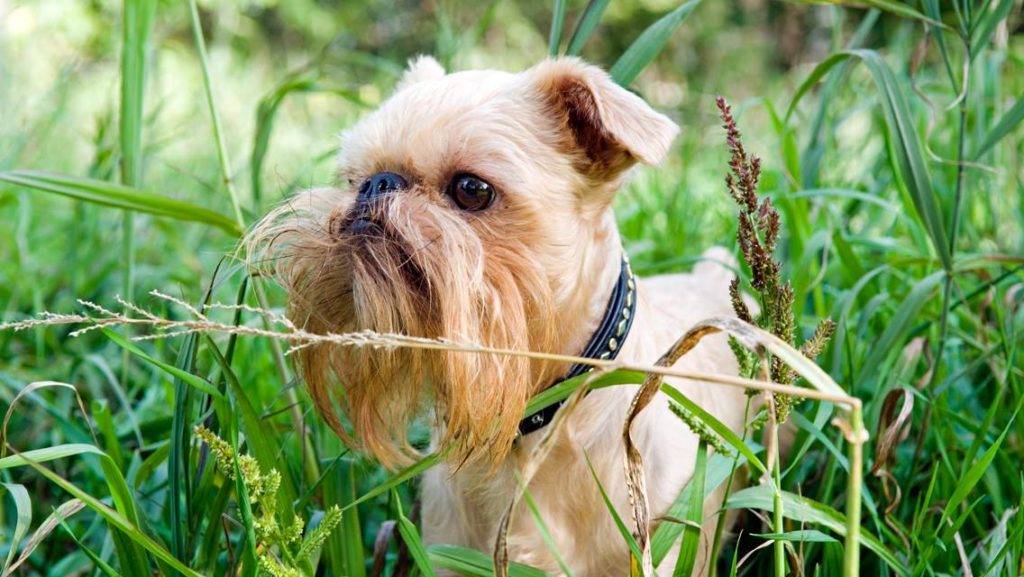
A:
380	184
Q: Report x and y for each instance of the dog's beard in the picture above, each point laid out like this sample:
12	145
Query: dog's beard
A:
421	270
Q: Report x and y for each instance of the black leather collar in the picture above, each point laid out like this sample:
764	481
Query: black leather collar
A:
605	344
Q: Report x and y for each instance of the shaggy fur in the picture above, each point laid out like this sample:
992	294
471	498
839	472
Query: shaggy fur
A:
531	272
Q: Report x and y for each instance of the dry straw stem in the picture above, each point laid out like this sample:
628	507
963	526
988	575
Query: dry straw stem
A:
751	337
299	338
760	342
533	463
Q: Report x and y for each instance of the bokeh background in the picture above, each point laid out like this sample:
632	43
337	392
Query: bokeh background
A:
289	75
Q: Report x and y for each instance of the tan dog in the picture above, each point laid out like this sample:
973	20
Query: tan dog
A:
477	208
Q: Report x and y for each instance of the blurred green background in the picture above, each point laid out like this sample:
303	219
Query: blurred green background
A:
288	76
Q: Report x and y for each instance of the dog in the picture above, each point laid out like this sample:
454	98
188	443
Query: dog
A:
476	206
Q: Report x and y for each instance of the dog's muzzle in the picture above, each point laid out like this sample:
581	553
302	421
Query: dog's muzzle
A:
371	193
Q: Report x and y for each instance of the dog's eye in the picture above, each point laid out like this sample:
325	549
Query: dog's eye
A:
470	192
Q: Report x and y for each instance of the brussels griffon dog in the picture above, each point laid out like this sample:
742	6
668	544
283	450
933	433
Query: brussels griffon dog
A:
476	206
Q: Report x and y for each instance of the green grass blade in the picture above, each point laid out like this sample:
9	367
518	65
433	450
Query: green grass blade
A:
891	6
180	445
259	436
398	478
973	474
909	161
627	536
545	532
562	390
132	557
65	510
986	25
245	512
694	515
650	43
717	426
804	536
138	23
585	26
102	565
474	563
23	512
804	510
1007	123
136	27
118	196
411	536
344	546
664	537
186	377
218	133
557	24
266	114
900	324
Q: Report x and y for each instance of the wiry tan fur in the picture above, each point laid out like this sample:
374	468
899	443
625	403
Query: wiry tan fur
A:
533	271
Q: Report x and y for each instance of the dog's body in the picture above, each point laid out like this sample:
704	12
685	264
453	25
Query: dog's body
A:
478	209
464	506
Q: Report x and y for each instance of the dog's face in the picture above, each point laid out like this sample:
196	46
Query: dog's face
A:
469	208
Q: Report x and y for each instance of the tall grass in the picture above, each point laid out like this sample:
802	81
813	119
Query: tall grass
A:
896	165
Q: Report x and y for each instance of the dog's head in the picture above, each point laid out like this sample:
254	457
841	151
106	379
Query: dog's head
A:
474	207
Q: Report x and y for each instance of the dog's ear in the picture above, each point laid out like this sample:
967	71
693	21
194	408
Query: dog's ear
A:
612	126
420	68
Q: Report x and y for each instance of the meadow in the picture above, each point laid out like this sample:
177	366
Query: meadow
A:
140	140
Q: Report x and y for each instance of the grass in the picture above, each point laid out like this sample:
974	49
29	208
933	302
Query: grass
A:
895	160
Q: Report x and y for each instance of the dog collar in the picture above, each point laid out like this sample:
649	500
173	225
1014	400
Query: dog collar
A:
604	345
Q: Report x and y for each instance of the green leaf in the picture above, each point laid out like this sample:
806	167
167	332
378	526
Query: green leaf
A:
719	468
186	377
627	536
694	515
900	323
65	510
23	510
125	517
545	532
266	114
562	390
804	510
1009	121
585	26
411	536
557	24
804	536
912	170
987	23
118	196
96	559
180	488
649	44
398	478
259	436
137	25
717	426
892	6
471	562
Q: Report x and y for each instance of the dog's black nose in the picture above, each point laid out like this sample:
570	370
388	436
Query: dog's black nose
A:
380	184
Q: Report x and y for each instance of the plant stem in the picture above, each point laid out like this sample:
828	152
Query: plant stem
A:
218	133
136	23
954	235
310	464
778	518
856	437
716	545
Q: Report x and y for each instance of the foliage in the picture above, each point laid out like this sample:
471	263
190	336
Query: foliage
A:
893	158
